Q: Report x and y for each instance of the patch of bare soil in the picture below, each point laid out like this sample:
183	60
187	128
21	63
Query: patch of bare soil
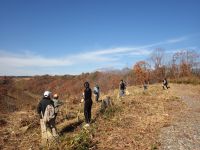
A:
184	132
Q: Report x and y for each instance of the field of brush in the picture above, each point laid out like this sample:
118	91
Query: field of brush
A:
132	122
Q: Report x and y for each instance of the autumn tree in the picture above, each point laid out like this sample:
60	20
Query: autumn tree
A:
157	58
141	70
184	62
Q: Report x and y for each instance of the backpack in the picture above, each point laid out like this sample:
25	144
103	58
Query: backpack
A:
49	113
55	105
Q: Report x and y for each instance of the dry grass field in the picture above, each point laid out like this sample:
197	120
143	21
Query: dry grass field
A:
139	120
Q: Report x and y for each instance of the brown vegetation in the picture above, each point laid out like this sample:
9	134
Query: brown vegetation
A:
138	114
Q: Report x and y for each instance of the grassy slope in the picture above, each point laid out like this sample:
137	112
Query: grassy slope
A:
137	124
132	123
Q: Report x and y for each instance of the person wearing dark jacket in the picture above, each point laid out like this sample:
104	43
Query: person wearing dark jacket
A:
122	88
165	84
46	100
50	124
87	96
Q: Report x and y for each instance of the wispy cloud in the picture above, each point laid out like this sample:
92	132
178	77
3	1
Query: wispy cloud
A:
176	40
18	62
106	55
172	51
24	60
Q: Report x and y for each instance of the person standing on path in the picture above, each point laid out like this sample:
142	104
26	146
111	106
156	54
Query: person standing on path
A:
57	103
122	88
87	96
96	93
145	85
46	111
165	84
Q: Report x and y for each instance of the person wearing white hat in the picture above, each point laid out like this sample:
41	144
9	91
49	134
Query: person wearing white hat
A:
46	100
47	114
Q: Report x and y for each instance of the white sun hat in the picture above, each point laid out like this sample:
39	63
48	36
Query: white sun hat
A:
47	94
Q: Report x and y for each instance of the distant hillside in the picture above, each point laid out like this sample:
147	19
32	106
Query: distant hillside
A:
13	97
26	91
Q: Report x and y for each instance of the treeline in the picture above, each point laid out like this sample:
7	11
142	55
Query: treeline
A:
183	65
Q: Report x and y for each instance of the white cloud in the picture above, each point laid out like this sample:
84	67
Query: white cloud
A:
176	40
24	60
20	62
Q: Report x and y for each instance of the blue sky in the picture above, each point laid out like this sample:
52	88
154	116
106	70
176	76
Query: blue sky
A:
74	36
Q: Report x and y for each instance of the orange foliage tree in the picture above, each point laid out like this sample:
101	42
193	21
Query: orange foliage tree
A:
141	70
183	62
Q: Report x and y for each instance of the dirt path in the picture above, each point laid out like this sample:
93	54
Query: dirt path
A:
184	132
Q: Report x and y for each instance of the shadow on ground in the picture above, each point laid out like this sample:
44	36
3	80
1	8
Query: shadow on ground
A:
71	127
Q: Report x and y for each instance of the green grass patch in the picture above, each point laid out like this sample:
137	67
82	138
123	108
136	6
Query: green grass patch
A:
111	111
82	141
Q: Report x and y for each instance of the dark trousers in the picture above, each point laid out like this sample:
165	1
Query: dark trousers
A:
96	97
87	111
165	86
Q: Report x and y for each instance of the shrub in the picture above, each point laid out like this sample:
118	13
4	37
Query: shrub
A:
82	141
110	112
